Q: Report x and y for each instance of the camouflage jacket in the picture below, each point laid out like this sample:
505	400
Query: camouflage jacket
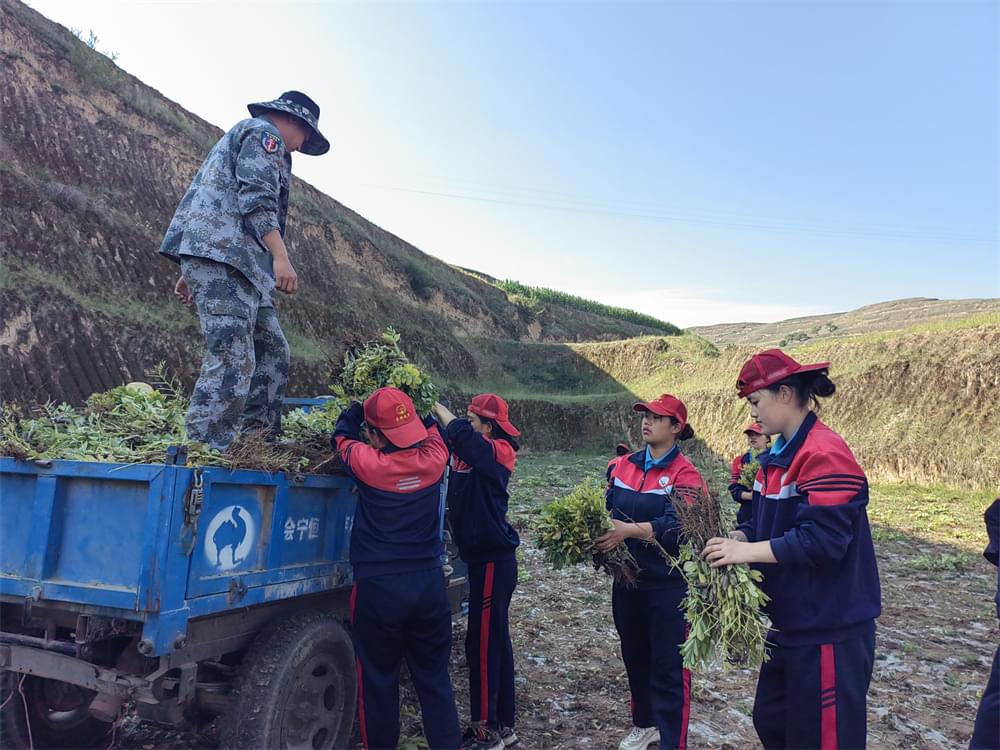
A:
238	196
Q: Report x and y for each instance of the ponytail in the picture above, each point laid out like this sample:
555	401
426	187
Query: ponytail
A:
687	433
809	387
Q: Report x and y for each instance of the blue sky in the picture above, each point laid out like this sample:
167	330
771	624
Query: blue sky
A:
701	161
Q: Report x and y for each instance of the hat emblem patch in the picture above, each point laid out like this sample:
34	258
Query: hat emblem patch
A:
402	413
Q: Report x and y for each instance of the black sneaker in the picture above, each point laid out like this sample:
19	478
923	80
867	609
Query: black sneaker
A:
481	738
509	736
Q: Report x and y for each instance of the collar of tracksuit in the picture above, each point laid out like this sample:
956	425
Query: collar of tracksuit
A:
642	460
782	452
663	460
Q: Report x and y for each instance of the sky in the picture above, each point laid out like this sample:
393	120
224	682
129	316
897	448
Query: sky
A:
702	162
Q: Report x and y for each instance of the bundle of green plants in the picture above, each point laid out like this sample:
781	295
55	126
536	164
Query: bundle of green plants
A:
568	527
748	474
723	606
382	363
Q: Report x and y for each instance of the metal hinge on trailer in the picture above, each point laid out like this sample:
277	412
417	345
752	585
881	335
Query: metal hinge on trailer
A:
194	499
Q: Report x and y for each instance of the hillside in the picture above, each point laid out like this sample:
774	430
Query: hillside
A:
884	316
916	405
93	163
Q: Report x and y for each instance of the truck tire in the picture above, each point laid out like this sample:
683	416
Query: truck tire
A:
58	714
296	688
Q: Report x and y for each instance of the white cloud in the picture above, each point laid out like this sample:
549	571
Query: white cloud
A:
687	307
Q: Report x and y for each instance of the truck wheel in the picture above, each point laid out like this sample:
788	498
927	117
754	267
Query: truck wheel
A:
296	688
57	711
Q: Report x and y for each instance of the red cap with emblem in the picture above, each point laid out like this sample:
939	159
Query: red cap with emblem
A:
392	412
753	427
665	405
769	367
491	406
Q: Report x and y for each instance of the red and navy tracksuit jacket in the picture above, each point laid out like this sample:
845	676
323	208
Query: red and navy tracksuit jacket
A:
810	501
399	604
477	508
648	617
986	734
736	488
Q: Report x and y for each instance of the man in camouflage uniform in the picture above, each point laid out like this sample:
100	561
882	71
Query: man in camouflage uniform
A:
228	237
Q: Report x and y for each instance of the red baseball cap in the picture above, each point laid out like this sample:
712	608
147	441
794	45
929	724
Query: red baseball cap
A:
491	406
666	406
753	427
392	412
769	367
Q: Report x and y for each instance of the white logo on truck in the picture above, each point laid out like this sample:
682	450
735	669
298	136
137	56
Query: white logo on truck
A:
230	537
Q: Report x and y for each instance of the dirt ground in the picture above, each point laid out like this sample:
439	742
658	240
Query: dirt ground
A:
935	640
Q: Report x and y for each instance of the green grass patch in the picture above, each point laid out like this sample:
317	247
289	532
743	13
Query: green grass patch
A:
938	562
935	514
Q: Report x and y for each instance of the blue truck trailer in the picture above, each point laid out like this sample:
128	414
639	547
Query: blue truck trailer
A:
186	592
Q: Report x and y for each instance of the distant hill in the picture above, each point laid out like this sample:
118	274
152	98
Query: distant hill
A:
92	165
884	316
916	405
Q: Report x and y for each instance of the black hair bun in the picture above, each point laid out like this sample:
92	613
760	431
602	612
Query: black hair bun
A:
687	433
822	386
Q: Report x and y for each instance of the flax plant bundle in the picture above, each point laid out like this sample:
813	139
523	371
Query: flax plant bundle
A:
723	605
568	527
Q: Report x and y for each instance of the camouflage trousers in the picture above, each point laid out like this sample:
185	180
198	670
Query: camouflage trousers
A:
245	370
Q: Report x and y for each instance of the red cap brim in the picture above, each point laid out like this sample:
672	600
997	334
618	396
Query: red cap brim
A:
651	407
508	428
406	435
503	423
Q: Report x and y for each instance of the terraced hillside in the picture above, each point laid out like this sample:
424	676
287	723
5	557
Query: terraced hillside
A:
917	405
93	163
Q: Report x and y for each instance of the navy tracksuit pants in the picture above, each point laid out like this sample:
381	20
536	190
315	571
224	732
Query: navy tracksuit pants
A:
403	616
815	697
487	642
986	735
651	627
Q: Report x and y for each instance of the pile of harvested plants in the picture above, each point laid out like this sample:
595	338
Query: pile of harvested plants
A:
568	527
138	422
723	605
132	424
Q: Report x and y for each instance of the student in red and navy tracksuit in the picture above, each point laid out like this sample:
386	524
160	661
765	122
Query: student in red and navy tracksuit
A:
484	452
648	617
399	605
740	492
986	734
809	536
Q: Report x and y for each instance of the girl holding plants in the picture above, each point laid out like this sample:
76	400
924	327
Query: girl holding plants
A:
739	487
484	449
648	617
809	536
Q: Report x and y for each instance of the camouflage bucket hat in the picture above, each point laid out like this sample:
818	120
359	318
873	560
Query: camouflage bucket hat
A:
299	105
